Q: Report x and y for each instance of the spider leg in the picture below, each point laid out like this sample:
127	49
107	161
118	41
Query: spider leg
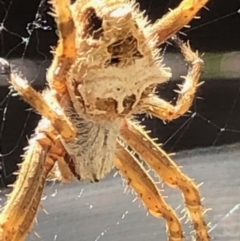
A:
136	137
176	19
18	215
59	121
40	102
61	171
148	192
65	52
165	111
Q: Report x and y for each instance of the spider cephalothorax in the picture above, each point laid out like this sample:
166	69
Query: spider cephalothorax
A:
105	69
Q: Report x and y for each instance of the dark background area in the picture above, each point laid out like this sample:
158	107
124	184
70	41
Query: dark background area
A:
27	32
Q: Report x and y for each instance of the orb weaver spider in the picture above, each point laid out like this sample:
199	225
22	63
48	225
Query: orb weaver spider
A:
105	70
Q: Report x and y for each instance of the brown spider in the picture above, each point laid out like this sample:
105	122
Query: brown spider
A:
105	70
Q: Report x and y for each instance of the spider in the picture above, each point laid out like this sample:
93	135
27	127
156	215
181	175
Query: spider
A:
105	70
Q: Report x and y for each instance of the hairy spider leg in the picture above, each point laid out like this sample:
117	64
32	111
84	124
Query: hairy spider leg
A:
65	52
148	192
135	136
165	111
176	19
19	213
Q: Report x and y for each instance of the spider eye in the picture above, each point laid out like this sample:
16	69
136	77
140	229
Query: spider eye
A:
92	24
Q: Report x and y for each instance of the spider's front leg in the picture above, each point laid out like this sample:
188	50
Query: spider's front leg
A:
171	174
40	103
144	186
19	213
163	110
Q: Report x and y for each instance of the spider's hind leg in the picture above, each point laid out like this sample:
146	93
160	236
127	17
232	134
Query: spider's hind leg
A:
65	52
164	110
170	173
